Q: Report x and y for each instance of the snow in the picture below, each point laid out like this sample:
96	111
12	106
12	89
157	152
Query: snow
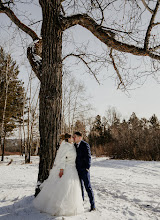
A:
36	58
127	190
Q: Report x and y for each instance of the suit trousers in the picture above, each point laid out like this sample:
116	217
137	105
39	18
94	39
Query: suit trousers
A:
84	177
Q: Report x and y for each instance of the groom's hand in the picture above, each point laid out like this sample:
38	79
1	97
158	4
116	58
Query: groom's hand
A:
61	173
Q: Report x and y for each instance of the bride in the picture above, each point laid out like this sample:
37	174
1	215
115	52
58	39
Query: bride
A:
61	193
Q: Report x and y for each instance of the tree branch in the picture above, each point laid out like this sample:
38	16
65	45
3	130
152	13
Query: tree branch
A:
148	33
147	7
17	22
154	24
32	51
99	5
85	62
116	69
154	48
104	36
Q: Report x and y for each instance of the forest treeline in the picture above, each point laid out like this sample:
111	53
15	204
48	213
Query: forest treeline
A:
134	138
110	136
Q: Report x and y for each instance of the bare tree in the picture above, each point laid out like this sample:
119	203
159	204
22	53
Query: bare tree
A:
75	102
3	134
34	131
33	101
112	115
122	26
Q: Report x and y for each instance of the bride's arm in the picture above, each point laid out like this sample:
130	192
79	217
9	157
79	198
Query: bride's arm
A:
60	155
60	160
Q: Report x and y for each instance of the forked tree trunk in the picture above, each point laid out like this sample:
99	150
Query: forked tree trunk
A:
51	87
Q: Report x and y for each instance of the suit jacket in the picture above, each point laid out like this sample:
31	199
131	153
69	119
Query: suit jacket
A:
83	159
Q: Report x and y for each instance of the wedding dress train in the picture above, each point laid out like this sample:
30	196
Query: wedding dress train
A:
61	196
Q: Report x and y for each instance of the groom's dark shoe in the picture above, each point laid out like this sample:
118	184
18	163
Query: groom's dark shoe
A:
92	209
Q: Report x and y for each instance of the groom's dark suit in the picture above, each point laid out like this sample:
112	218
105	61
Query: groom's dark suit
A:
83	163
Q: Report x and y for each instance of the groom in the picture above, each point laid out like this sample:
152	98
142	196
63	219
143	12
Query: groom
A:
83	163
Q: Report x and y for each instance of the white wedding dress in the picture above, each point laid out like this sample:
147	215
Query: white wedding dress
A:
61	196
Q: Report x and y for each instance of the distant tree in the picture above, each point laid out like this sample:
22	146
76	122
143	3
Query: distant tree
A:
134	120
98	125
154	121
127	139
11	98
112	116
99	136
80	126
32	118
153	147
75	104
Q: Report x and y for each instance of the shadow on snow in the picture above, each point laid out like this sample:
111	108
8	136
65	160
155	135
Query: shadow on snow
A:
23	210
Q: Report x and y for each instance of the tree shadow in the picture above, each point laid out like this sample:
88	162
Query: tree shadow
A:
119	164
23	210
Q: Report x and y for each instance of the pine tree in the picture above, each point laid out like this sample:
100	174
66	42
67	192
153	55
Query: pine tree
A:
98	125
11	98
154	121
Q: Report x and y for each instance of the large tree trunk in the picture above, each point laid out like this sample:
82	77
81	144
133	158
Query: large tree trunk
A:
51	87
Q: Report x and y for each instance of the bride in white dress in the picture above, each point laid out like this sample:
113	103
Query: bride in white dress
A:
61	193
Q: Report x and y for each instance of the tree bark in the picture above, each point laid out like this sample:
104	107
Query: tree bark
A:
20	130
28	148
51	87
3	147
4	113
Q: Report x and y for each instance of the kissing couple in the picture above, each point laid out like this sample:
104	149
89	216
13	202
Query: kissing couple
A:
62	194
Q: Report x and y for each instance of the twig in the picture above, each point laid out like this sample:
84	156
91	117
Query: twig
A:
116	69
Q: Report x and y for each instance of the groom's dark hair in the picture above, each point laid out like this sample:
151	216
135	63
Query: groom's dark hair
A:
78	133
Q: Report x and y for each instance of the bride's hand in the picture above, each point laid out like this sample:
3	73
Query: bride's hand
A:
61	173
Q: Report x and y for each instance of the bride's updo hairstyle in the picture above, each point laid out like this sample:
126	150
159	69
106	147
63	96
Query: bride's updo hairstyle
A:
67	136
62	137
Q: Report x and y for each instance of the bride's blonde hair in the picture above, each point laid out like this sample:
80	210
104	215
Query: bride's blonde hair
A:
62	137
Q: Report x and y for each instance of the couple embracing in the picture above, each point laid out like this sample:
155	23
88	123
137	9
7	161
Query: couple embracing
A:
62	194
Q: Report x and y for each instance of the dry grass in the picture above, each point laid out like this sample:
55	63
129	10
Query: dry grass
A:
7	153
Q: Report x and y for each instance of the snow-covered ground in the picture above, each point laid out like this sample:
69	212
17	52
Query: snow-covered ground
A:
127	190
